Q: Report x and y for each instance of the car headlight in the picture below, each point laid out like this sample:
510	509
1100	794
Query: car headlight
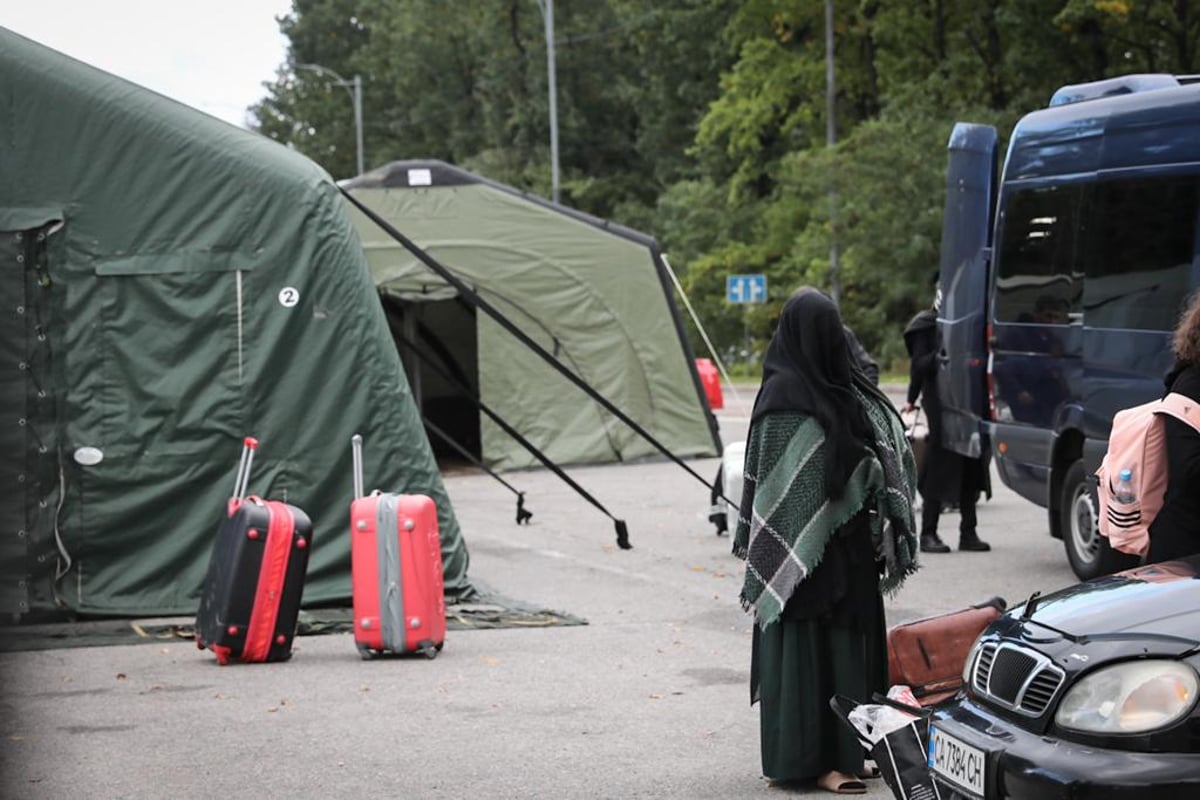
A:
1132	697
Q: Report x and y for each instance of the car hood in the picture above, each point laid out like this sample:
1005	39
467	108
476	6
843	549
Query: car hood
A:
1154	609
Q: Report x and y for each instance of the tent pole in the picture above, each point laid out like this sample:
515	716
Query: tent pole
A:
415	381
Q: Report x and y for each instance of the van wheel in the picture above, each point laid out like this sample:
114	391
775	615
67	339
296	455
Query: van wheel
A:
1088	552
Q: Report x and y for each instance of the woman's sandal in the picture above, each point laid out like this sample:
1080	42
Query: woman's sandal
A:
837	783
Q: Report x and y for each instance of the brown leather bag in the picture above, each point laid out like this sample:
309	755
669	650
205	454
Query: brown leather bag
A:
929	654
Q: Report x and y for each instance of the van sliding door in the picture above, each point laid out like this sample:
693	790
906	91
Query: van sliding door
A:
963	273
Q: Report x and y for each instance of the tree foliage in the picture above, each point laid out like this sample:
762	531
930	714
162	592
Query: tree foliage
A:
704	122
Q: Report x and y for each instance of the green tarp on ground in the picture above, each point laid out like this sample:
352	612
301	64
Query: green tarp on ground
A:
171	284
596	295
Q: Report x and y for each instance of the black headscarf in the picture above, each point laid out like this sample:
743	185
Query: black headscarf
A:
808	369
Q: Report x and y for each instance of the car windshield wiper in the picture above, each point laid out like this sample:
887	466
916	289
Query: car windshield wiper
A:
1121	636
1031	608
1127	636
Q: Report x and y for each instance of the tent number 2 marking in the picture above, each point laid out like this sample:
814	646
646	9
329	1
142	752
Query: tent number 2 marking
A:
289	296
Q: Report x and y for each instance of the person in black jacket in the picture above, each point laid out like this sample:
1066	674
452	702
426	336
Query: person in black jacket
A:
946	476
1175	531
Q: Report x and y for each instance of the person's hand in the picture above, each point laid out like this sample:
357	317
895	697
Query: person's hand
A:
908	408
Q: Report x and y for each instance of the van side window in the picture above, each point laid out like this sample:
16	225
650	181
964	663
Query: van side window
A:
1140	252
1037	279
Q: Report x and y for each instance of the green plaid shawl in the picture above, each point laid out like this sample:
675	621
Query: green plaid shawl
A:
791	520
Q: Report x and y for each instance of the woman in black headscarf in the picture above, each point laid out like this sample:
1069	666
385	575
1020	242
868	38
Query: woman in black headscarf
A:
946	476
825	525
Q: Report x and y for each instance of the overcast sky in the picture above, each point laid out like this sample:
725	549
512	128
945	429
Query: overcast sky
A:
213	55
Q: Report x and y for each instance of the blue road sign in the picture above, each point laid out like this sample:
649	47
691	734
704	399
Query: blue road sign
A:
746	288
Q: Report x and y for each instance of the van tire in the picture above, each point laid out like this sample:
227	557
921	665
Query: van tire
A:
1088	552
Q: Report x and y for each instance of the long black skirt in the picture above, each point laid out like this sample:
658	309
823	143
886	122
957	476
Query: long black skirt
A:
798	664
946	475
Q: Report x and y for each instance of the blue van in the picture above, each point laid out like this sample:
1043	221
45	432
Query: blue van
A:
1062	280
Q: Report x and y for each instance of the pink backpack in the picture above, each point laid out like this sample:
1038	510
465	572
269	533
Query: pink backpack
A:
1138	443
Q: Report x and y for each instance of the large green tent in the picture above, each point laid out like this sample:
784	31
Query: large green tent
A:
596	295
173	283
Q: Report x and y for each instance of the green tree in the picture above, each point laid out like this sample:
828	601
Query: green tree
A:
703	122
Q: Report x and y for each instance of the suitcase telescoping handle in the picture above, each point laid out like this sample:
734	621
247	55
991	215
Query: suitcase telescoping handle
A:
249	445
356	457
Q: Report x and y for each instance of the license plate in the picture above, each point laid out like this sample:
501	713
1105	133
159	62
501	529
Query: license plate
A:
956	761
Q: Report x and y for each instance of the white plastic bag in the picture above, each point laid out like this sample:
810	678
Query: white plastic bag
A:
875	720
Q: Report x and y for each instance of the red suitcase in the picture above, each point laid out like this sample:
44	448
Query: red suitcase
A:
396	571
251	597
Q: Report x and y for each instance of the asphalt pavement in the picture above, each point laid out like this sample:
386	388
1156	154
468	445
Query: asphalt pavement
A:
650	699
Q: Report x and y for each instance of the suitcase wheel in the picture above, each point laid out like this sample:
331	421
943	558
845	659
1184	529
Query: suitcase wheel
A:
366	652
430	649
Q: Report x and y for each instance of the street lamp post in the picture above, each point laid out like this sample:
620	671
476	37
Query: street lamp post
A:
355	88
835	277
547	9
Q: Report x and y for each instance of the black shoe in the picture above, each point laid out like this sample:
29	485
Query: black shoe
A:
972	543
932	543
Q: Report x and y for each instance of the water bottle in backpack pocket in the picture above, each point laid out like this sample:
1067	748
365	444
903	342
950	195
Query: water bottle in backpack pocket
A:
1123	492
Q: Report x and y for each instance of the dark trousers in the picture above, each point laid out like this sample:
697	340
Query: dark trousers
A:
931	510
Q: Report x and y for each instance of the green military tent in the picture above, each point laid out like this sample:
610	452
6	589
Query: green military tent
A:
172	284
596	295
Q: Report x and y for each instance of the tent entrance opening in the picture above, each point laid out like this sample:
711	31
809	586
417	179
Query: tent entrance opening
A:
439	347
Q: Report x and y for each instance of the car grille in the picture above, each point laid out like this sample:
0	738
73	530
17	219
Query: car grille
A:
1011	676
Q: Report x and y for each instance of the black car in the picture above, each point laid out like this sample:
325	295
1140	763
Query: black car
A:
1089	692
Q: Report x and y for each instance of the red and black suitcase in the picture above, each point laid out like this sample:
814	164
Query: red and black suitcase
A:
251	597
396	571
